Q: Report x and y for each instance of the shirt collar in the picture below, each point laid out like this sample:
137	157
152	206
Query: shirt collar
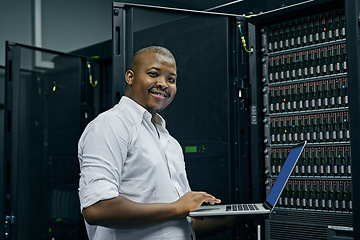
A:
139	112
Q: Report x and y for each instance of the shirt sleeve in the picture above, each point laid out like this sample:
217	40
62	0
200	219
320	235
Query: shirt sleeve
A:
102	150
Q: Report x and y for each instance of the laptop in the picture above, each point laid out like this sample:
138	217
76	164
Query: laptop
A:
257	208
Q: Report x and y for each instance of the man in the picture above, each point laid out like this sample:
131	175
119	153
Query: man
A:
133	183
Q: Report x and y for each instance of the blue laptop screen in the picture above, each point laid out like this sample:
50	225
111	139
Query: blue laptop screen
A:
283	175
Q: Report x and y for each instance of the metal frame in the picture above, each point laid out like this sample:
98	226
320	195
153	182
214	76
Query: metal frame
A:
2	174
11	112
256	116
352	9
121	49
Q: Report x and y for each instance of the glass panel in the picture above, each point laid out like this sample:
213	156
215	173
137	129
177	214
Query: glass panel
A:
46	126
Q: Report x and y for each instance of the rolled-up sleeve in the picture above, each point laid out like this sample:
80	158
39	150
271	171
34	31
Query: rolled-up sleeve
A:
102	151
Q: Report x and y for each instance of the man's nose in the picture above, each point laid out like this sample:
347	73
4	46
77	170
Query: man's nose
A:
162	83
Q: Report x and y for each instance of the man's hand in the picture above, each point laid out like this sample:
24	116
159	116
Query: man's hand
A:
192	201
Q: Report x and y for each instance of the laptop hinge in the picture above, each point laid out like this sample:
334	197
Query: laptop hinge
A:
267	205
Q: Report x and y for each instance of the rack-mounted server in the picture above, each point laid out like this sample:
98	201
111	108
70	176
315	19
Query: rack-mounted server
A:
305	97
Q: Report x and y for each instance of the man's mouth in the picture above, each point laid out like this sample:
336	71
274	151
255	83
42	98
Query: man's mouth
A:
161	94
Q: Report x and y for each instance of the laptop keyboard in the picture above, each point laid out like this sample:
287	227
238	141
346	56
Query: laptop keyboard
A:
241	207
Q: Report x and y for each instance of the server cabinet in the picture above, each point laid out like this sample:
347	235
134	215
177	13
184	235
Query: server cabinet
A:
307	93
45	111
205	113
291	82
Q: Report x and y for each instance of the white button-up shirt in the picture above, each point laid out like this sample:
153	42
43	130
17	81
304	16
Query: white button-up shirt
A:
121	152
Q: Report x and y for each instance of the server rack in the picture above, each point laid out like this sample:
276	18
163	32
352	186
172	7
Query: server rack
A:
295	84
204	125
46	109
305	91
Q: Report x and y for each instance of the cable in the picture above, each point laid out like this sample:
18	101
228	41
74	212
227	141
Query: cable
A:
90	76
243	40
252	15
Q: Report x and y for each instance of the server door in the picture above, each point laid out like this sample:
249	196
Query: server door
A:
201	113
44	112
206	112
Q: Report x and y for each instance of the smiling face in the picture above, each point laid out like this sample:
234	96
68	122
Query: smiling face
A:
152	81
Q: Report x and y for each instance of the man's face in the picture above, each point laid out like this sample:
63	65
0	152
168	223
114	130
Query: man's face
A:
152	83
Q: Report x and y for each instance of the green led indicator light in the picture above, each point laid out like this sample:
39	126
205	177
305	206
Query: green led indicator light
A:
190	149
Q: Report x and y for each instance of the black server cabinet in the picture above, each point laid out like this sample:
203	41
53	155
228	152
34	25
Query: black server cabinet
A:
205	113
293	81
207	116
46	109
309	93
202	112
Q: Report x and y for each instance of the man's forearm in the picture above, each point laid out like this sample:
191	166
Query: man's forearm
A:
121	212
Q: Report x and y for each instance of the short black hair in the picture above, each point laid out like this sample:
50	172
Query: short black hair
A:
152	49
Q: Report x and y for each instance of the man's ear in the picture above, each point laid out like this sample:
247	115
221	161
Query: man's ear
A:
129	76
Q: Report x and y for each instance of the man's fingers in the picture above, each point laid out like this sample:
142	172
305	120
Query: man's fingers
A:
213	201
208	198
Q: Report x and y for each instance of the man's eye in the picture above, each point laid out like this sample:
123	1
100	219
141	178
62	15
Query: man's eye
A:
171	80
153	74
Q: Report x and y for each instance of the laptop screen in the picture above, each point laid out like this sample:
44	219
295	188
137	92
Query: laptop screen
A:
284	174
